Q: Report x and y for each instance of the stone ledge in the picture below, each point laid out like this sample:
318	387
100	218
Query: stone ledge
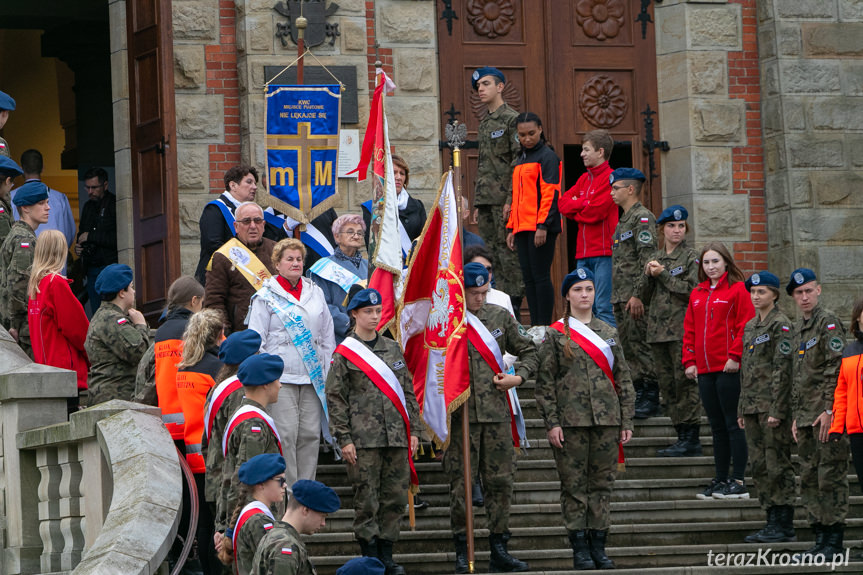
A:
83	423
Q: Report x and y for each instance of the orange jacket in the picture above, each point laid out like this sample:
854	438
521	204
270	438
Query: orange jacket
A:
193	383
848	397
168	351
535	191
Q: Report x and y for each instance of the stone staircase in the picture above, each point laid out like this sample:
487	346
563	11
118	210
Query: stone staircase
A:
658	526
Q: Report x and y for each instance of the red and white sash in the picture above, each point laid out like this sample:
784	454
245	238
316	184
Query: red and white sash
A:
486	344
217	398
248	511
383	377
242	414
598	350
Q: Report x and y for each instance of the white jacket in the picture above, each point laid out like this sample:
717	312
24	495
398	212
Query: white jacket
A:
275	339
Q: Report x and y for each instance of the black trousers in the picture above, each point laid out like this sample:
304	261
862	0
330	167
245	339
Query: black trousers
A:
720	393
535	265
856	440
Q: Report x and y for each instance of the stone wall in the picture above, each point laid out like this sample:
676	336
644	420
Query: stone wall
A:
812	78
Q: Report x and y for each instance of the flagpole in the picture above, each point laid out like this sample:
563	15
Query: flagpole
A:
456	142
301	23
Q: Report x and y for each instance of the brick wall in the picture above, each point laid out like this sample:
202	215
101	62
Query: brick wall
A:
373	54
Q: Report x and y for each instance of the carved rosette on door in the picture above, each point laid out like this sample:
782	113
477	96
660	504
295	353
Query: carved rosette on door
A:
602	101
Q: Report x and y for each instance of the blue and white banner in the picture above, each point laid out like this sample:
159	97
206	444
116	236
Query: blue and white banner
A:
302	149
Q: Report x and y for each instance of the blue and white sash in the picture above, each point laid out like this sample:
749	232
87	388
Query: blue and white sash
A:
332	271
301	337
226	213
404	238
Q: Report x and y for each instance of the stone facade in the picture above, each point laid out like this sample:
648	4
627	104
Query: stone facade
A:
812	70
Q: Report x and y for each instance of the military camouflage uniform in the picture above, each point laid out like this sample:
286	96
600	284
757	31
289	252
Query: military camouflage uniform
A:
576	395
145	378
6	217
817	348
282	552
361	414
665	298
765	390
215	459
16	257
249	538
634	244
492	453
115	346
243	445
498	149
4	148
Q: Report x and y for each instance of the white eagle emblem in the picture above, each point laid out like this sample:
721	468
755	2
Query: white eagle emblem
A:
441	309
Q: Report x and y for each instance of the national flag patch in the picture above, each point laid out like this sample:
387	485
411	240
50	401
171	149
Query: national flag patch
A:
786	328
121	321
256	429
831	326
25	244
287	551
645	220
2	210
268	525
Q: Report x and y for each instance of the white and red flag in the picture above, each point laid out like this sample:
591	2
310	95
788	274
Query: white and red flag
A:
432	326
386	259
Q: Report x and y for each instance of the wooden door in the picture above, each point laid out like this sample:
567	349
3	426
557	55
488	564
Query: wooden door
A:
154	156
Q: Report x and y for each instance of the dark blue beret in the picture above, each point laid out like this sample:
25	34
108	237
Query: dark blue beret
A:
475	275
239	346
9	168
575	276
30	193
483	72
261	468
764	278
675	213
364	298
362	566
6	102
260	369
114	278
316	496
799	277
626	174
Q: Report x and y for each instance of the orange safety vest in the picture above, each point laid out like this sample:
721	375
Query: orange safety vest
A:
192	388
168	354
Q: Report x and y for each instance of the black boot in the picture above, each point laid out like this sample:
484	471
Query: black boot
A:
692	445
368	548
476	495
581	559
597	549
420	504
501	561
786	522
385	554
676	448
460	542
771	524
781	529
833	541
639	395
649	406
820	537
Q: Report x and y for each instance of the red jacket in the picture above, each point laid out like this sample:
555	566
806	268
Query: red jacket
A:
58	327
713	326
848	396
589	203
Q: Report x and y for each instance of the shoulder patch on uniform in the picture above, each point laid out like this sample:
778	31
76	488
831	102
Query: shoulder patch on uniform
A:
831	326
610	341
784	347
497	133
268	526
287	551
122	320
836	344
399	365
255	429
25	244
2	210
644	220
625	235
523	331
676	271
645	237
786	328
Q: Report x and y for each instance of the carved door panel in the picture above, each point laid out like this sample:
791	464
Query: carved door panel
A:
154	157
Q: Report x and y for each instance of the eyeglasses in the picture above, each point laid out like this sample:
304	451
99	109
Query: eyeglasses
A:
357	233
615	188
282	481
250	221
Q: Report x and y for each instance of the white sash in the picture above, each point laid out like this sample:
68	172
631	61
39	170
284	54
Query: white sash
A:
488	339
240	413
378	365
593	338
245	515
333	271
214	398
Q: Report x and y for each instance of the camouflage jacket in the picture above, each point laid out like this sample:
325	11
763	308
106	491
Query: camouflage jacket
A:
487	404
575	392
249	539
249	438
7	218
634	244
282	552
498	149
16	257
4	148
145	378
213	447
817	346
115	346
667	295
360	413
765	369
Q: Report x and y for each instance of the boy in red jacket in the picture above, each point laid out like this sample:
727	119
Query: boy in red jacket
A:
589	203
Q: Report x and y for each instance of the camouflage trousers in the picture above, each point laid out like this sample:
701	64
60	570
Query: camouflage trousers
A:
823	476
633	336
680	394
770	460
23	328
380	479
507	271
587	465
492	458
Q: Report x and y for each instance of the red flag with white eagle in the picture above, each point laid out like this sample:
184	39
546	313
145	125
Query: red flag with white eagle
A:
432	326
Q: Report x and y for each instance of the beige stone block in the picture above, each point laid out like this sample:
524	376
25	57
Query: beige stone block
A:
715	26
809	76
779	225
852	77
671	28
821	226
200	117
766	42
836	114
675	128
191	207
119	75
711	169
117	26
718	121
708	73
416	69
353	34
805	9
788	41
672	85
190	252
259	33
795	115
350	6
814	151
195	19
764	11
774	154
189	69
776	191
125	234
850	10
677	174
833	40
722	217
193	167
122	120
770	78
424	163
412	119
854	144
837	188
771	115
800	189
405	22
